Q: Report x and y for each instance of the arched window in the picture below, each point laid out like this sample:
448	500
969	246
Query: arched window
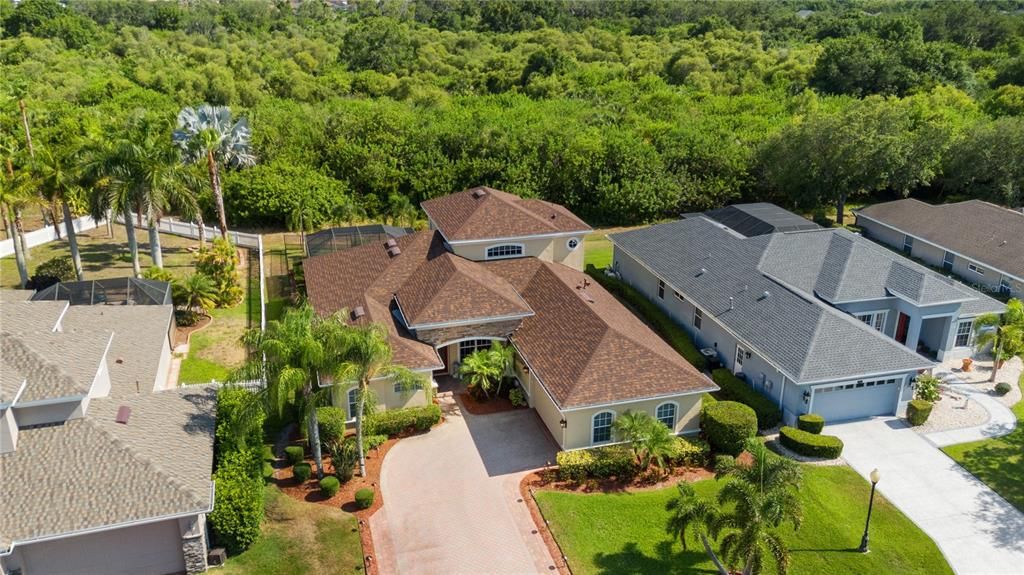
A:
353	402
602	427
505	251
666	413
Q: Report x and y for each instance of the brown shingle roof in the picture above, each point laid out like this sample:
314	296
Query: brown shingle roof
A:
585	346
485	213
979	230
431	284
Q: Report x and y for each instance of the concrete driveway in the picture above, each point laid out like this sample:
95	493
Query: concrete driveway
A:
976	529
451	498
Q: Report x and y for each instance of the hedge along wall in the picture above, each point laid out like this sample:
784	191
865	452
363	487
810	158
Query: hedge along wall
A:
735	389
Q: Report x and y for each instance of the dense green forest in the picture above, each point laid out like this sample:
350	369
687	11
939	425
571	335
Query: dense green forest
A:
623	111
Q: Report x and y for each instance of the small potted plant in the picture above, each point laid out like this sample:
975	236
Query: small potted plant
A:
968	364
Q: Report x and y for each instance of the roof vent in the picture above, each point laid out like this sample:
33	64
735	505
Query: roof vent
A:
702	271
358	312
731	305
394	251
586	296
119	360
391	243
767	294
553	216
479	193
123	413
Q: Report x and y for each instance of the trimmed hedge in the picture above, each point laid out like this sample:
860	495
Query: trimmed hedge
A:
728	425
238	508
294	453
724	463
329	486
1002	388
302	471
811	423
331	421
373	441
396	421
810	444
735	389
918	411
596	463
690	452
675	335
364	498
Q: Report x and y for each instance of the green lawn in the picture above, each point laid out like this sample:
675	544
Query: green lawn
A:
998	462
625	533
301	539
598	250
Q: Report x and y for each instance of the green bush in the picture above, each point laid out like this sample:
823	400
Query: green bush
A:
219	262
810	444
364	498
724	463
926	387
373	441
332	423
654	316
811	423
302	472
396	421
517	397
735	389
728	425
329	486
52	271
294	453
918	411
689	452
1002	388
343	457
596	463
239	424
238	508
267	194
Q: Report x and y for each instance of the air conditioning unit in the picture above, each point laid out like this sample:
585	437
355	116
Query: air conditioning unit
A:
216	557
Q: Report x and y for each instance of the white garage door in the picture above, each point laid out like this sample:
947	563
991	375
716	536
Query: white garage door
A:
153	549
856	400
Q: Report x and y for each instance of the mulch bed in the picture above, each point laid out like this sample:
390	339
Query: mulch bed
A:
182	334
487	406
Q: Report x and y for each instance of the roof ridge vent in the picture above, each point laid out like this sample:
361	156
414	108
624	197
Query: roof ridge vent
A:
479	193
358	312
731	302
123	413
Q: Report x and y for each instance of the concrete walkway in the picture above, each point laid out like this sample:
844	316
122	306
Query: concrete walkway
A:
452	502
1001	420
976	529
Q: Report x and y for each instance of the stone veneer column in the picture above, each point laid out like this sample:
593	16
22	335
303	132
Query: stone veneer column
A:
193	543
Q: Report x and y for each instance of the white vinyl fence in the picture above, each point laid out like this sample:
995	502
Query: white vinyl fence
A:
47	235
191	230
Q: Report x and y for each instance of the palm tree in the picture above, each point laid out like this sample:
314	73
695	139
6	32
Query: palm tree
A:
757	499
502	355
60	183
196	293
479	371
291	355
1004	333
650	440
108	166
16	192
9	148
301	219
400	210
163	184
207	133
365	353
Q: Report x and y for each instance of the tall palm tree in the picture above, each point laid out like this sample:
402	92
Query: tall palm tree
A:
107	165
366	356
207	134
15	192
9	149
292	354
60	182
1004	333
757	499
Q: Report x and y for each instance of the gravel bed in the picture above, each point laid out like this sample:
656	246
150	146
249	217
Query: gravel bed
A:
953	412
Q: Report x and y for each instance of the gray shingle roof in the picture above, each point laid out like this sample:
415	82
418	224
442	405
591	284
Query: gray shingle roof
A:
805	337
979	230
93	472
760	218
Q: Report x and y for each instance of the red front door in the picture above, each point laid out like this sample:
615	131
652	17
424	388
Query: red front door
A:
901	328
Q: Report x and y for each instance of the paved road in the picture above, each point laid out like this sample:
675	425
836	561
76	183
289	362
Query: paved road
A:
976	529
451	498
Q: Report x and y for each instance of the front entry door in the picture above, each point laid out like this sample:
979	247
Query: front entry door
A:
443	352
902	326
737	366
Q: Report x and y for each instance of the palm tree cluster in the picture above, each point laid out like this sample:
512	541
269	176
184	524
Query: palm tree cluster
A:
484	370
756	500
650	440
1004	333
143	169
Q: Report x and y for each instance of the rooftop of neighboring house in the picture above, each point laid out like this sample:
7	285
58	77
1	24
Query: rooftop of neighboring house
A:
483	213
88	470
774	292
977	230
759	218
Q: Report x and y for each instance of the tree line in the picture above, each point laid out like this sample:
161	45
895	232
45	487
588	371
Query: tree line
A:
625	112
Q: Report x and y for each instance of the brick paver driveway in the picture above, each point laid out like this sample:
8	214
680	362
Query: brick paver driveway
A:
451	498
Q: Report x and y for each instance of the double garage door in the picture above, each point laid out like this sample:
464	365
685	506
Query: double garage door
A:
857	400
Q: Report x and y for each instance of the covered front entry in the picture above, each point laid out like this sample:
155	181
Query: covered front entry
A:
856	399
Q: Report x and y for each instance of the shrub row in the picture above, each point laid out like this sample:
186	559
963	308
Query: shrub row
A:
690	452
811	423
654	316
238	508
735	389
393	422
727	426
918	411
596	463
810	444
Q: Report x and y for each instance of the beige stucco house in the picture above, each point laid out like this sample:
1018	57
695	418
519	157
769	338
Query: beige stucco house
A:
103	468
492	267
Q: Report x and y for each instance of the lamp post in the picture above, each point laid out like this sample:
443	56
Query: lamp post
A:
875	476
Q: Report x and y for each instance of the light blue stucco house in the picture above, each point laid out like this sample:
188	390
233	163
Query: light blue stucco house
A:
821	320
